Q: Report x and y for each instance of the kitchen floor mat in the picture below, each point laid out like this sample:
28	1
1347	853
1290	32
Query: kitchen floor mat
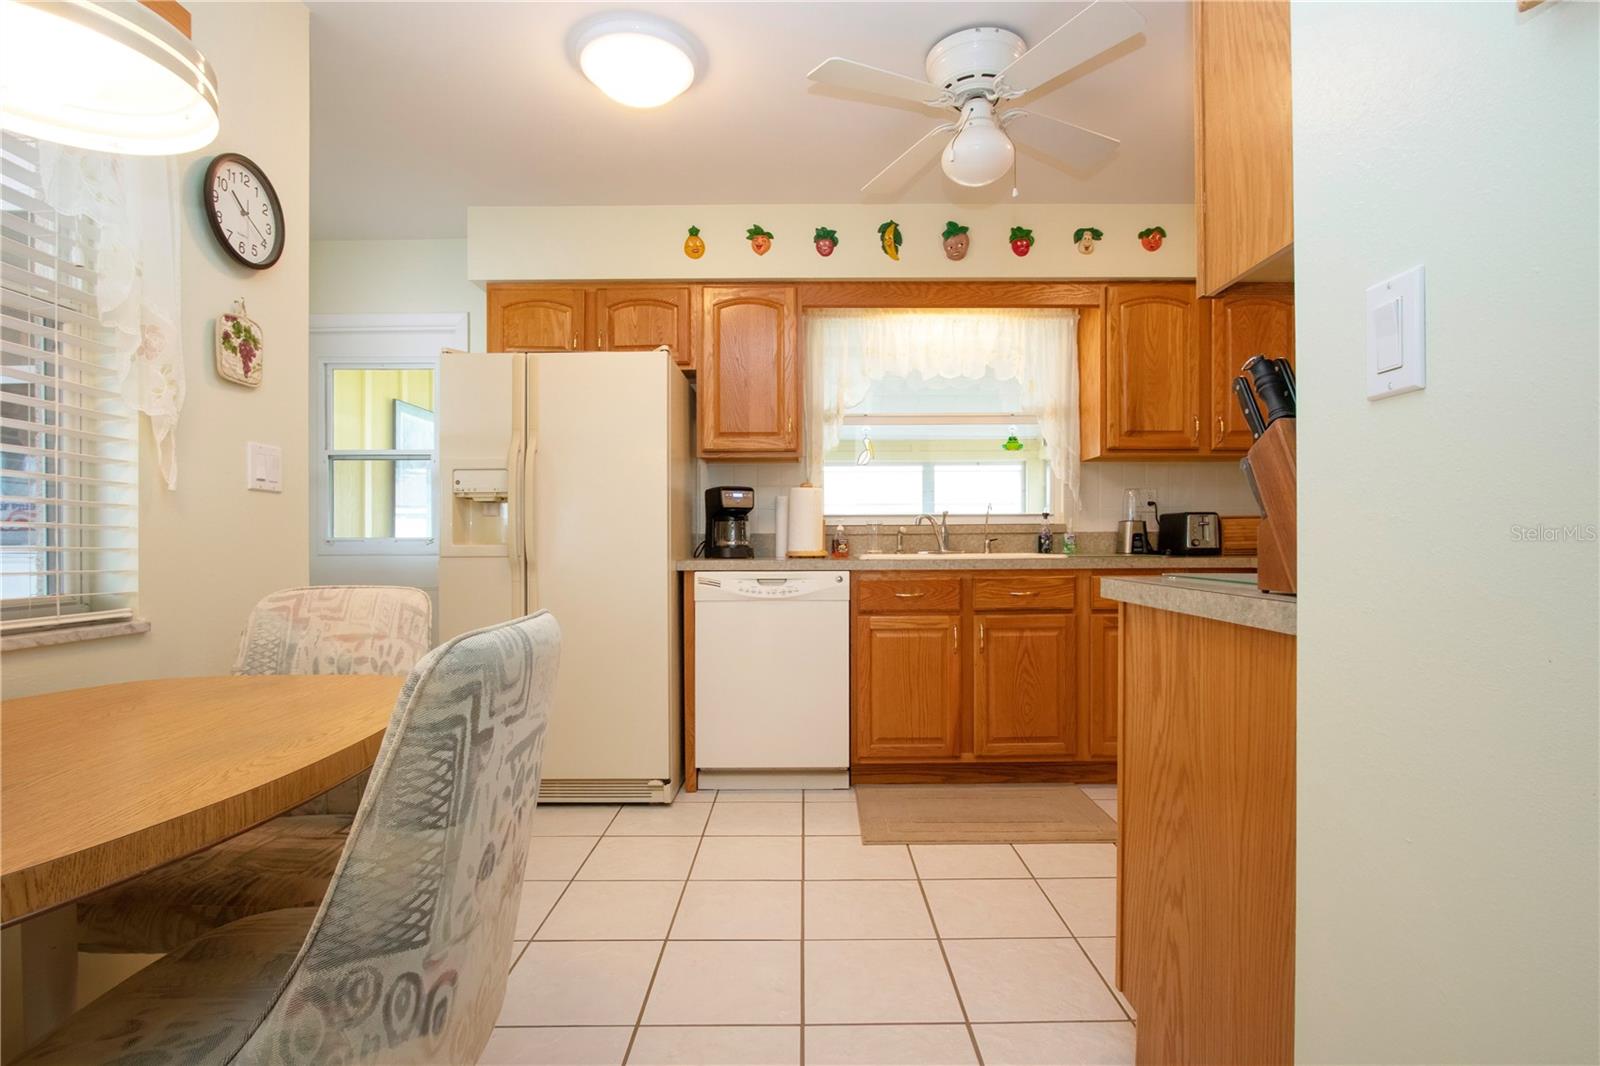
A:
980	814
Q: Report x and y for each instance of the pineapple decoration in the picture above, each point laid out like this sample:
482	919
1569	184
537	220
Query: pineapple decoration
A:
694	245
760	240
889	233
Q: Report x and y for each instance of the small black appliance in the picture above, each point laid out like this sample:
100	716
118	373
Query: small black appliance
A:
728	510
1191	533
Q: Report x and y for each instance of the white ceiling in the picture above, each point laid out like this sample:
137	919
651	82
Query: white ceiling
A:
422	110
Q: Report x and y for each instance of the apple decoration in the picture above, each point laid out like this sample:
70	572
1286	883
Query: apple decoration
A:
889	233
694	245
956	241
826	241
760	240
1021	240
1085	238
1151	238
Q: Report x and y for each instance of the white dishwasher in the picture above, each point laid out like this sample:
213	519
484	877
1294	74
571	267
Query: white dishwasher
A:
772	678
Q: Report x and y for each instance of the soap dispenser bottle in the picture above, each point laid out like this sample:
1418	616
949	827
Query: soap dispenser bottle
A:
1047	539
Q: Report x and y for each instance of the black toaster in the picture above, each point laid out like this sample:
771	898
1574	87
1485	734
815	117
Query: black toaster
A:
1190	533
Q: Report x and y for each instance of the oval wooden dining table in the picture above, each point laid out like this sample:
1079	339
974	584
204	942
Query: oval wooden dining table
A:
98	785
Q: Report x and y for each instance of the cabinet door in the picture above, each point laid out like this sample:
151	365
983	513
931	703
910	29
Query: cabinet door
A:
535	318
906	686
644	317
1243	324
749	402
1025	687
1152	368
1102	669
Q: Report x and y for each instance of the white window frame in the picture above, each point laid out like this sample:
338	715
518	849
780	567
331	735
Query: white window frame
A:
370	342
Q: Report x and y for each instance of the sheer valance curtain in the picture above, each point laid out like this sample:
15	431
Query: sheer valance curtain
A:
848	350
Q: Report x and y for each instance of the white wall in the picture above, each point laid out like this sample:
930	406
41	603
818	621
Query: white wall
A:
1447	809
210	549
397	277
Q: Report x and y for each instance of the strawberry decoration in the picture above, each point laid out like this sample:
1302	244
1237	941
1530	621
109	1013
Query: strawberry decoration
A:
760	240
1021	240
1151	238
826	241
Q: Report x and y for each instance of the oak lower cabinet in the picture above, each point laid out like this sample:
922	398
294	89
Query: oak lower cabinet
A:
749	372
1101	706
1024	678
906	681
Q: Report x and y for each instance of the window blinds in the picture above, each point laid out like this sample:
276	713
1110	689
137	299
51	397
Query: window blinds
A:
69	491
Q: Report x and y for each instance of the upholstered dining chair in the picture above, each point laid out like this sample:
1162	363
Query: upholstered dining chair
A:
330	629
406	959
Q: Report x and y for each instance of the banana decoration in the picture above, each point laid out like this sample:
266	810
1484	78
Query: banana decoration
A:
890	232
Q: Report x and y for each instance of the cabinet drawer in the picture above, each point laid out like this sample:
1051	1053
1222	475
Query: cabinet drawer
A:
901	593
1025	593
1098	602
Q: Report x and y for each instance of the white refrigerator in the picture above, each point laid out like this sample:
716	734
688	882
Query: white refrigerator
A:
566	483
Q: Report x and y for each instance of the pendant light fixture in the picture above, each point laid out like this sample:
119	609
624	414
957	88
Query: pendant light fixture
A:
107	76
637	60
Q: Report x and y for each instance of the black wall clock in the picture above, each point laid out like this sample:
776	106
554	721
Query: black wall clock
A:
243	209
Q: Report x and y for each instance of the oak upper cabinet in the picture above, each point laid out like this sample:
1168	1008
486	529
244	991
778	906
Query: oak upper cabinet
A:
1101	705
1151	369
642	317
906	682
749	372
1244	187
535	318
1024	685
1246	320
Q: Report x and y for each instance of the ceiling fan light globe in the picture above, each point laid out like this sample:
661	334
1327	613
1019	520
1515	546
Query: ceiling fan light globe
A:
979	155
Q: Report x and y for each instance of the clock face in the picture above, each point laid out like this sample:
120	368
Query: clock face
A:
244	212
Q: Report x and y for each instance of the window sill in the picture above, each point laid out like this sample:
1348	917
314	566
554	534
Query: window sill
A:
44	638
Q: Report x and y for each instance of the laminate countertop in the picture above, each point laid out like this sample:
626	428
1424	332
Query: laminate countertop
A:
1237	603
1003	561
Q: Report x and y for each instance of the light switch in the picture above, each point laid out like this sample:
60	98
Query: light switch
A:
1395	336
263	467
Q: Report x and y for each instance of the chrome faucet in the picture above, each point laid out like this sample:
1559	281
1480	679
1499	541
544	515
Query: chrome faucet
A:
988	541
941	530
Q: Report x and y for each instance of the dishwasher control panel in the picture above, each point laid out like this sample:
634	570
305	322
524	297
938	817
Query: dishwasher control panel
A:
758	585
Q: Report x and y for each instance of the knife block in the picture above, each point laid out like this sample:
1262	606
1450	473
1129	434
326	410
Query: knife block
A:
1271	466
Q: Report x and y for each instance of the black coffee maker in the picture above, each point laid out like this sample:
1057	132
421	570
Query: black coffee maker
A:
728	510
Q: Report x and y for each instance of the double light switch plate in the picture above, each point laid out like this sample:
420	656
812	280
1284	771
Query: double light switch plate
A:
1395	336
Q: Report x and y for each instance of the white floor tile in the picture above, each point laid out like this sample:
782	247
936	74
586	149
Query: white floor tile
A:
1102	951
1099	792
704	982
571	820
678	820
704	795
830	795
1109	806
866	910
938	861
739	910
536	900
1070	860
556	858
1069	1044
832	819
557	1046
1087	904
760	795
991	908
589	983
613	910
889	1045
1029	981
863	981
847	859
699	1045
747	859
754	819
640	859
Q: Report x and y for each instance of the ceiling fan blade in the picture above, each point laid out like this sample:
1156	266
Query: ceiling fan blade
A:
913	159
1103	24
848	74
1080	148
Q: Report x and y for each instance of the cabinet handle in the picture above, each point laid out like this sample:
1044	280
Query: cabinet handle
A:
1034	592
602	340
1222	427
1196	427
980	636
955	636
574	342
910	595
788	427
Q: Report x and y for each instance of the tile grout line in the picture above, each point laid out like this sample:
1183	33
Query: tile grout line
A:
562	894
961	1002
1073	933
802	929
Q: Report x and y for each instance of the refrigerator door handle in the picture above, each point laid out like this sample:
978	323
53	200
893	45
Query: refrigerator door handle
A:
514	503
525	522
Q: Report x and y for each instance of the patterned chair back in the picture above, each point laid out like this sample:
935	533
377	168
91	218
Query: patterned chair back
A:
406	961
337	629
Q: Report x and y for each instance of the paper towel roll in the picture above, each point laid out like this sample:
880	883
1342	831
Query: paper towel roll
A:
805	521
781	525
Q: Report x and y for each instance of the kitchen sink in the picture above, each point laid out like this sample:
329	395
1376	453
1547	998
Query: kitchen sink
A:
950	555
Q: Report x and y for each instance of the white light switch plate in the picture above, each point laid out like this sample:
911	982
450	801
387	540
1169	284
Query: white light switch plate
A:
1396	349
263	467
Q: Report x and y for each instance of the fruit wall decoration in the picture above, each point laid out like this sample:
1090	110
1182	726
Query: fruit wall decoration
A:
1085	238
956	241
826	241
694	245
1150	239
240	350
1021	240
760	240
889	233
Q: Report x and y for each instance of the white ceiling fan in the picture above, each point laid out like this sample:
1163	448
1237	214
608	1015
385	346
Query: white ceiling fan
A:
971	72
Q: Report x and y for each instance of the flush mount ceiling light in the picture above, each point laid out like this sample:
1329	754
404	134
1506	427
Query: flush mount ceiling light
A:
637	60
109	77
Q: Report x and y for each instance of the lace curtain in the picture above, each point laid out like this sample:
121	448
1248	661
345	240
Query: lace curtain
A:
848	350
133	203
